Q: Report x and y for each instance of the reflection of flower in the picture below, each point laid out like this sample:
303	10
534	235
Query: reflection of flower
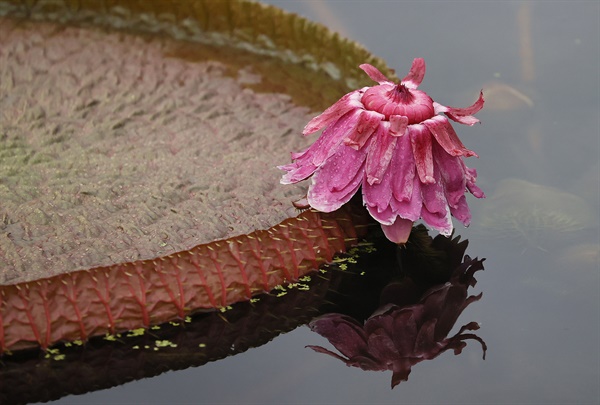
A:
390	139
398	337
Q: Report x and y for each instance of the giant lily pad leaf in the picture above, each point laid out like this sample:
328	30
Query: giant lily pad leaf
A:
138	146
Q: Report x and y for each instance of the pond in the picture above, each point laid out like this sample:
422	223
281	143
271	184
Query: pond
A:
538	229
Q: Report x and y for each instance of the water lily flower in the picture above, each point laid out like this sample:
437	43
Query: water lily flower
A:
392	140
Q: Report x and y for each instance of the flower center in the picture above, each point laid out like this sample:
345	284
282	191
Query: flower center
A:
389	99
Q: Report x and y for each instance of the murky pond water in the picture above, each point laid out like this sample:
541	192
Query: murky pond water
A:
538	143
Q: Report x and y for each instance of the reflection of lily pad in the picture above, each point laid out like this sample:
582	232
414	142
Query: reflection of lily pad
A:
538	214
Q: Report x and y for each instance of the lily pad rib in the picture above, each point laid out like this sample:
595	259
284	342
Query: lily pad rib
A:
116	298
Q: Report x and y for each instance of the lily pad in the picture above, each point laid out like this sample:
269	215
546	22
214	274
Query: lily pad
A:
535	214
139	145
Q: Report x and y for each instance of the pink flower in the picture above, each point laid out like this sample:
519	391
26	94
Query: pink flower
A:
391	140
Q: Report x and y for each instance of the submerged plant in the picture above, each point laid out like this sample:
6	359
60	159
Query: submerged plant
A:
391	140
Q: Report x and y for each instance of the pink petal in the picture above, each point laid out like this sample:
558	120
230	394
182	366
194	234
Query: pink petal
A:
399	193
367	124
421	145
374	73
333	135
377	196
416	74
403	169
463	115
393	196
406	200
434	197
412	208
439	108
461	211
471	175
409	209
308	161
336	181
399	231
442	223
296	172
452	174
446	136
398	125
436	212
385	216
298	155
380	153
347	103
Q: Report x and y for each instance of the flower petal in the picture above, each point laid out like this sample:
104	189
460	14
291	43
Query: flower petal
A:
393	196
436	212
333	136
471	175
420	138
380	153
441	222
403	169
337	180
461	211
446	136
409	209
416	74
398	125
296	172
374	73
308	161
451	170
462	115
377	196
385	215
347	103
434	197
399	231
367	123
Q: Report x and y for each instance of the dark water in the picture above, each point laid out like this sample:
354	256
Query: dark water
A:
538	64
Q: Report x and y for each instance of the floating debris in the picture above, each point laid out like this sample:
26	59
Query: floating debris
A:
503	97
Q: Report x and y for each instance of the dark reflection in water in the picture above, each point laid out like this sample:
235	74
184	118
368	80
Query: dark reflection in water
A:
408	299
409	326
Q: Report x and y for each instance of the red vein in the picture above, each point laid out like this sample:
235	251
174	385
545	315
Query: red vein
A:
34	329
211	296
215	260
71	295
235	253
